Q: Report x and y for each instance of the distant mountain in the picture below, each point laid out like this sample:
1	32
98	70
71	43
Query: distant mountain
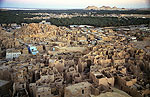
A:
144	9
104	8
5	9
92	8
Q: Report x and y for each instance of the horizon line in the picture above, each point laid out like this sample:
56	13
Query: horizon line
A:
59	8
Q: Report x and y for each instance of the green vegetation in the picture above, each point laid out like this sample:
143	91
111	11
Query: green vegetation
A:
18	16
99	21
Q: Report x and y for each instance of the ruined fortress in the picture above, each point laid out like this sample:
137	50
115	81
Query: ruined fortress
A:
43	60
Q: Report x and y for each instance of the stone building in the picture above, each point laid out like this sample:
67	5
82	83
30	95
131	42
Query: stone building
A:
12	53
82	89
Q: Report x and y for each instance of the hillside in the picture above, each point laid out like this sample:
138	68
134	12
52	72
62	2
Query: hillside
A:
103	8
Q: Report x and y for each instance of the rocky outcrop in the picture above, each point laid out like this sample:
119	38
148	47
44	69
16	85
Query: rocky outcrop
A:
92	8
103	8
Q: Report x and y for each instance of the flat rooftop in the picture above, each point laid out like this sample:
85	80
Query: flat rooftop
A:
73	49
78	86
12	51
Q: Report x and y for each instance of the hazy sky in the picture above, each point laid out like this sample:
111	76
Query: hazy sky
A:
69	4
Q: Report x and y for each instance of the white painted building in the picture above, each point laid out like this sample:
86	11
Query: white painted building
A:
44	22
80	26
12	53
133	39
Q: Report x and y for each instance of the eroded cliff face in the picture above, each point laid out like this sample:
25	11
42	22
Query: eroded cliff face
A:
92	8
103	8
